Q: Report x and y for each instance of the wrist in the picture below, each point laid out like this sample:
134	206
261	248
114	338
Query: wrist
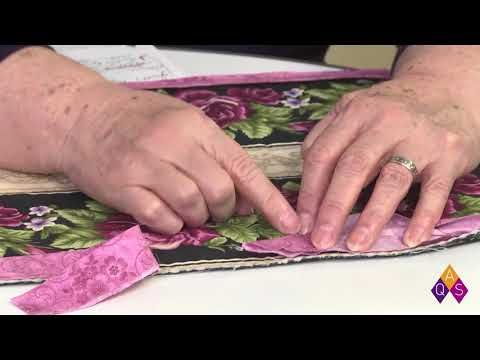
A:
39	88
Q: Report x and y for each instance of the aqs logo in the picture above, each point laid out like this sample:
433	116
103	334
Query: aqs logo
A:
449	282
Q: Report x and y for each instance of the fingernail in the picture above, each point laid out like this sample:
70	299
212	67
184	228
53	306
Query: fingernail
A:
413	237
325	234
359	239
290	224
306	223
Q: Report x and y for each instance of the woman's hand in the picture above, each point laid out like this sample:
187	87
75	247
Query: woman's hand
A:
146	154
431	120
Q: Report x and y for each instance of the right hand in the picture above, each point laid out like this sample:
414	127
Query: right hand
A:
163	161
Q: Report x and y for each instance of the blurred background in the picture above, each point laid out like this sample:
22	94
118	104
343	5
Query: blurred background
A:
355	56
361	56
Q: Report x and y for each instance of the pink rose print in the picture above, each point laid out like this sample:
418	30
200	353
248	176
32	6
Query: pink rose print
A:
257	95
196	97
11	217
195	237
32	250
224	110
468	185
120	222
116	225
452	206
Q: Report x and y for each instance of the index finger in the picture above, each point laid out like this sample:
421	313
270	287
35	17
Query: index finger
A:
253	185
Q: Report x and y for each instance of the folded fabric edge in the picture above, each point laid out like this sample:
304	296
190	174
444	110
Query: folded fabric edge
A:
268	77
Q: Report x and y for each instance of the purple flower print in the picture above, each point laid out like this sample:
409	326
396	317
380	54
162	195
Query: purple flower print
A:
40	210
295	103
293	93
38	224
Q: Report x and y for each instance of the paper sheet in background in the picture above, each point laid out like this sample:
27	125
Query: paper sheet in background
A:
122	63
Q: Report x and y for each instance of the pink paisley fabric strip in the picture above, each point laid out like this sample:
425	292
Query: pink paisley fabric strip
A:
271	77
390	238
90	276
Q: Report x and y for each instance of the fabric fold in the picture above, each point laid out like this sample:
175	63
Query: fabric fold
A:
390	238
94	275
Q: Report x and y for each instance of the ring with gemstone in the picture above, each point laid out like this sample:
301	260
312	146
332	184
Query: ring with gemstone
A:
408	164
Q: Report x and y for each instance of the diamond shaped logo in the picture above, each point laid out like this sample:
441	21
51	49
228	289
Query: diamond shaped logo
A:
449	282
459	290
440	290
449	277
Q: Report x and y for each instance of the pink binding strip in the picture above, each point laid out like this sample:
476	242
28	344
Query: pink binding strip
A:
271	77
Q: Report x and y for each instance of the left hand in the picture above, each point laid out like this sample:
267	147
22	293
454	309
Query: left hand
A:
414	117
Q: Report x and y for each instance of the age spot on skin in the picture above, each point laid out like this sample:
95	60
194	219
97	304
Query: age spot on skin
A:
67	110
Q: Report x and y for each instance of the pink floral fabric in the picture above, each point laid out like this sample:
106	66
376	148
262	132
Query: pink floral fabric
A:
121	222
95	275
390	239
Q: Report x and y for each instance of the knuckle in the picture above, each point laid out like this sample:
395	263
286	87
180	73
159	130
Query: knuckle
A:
437	186
373	217
354	163
151	214
393	112
244	169
318	155
221	193
454	142
334	208
188	197
393	176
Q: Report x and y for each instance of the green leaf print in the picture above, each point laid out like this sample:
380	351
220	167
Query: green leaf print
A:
82	217
217	243
291	186
77	238
471	204
16	240
96	206
253	128
239	229
53	230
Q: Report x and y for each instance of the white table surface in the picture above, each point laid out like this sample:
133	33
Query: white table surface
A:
376	286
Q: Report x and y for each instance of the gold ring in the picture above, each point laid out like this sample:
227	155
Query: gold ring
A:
408	164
